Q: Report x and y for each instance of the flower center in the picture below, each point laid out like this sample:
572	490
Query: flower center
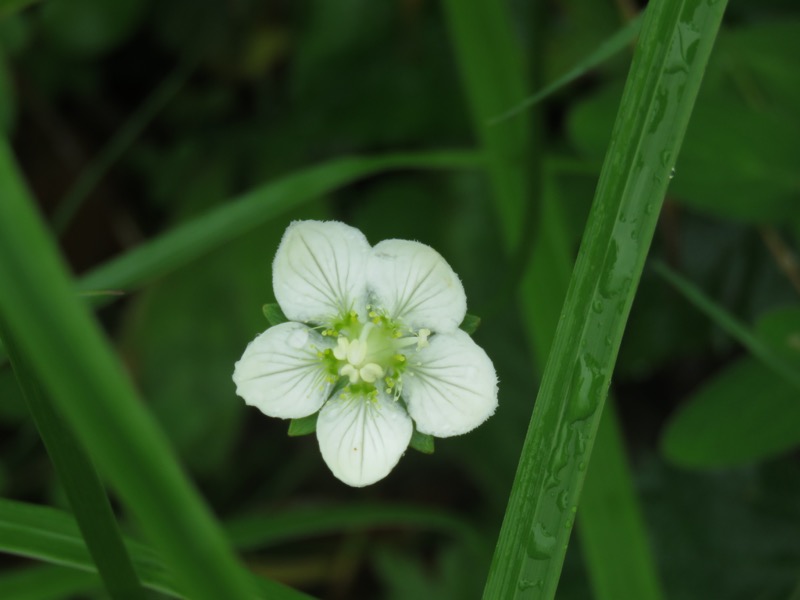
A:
359	358
372	353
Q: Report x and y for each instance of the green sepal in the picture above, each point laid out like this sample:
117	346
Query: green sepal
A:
274	314
422	442
303	426
470	324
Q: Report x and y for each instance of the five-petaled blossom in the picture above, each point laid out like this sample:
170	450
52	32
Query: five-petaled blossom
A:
373	341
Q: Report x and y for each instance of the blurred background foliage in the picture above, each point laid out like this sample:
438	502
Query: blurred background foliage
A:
252	90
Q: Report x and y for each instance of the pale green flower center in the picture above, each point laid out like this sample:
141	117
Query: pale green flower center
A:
368	353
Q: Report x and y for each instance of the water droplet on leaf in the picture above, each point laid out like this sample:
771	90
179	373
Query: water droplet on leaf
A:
541	544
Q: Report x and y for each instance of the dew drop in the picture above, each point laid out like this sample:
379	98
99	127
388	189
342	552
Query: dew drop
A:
672	173
526	584
298	338
582	466
581	445
541	544
597	306
563	500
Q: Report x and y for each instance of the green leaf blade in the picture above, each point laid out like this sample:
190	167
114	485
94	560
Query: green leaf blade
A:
187	242
76	366
759	348
743	415
81	484
651	122
52	536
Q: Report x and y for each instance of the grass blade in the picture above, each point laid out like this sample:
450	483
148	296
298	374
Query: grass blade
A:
609	48
544	285
668	65
51	535
81	484
610	522
731	325
260	531
187	242
47	583
76	366
491	67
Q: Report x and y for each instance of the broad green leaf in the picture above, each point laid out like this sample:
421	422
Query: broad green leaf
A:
83	487
736	161
651	122
747	412
742	415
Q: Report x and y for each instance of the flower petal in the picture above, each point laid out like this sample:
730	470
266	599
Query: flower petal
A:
416	286
362	439
281	374
451	386
319	271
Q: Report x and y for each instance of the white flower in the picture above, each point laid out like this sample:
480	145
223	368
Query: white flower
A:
372	344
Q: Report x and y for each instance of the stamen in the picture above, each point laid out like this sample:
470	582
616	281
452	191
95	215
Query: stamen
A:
422	338
340	351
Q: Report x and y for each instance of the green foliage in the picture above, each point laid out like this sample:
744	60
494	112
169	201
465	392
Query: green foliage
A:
736	161
744	414
303	426
91	27
470	324
81	483
188	149
653	115
274	314
422	442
